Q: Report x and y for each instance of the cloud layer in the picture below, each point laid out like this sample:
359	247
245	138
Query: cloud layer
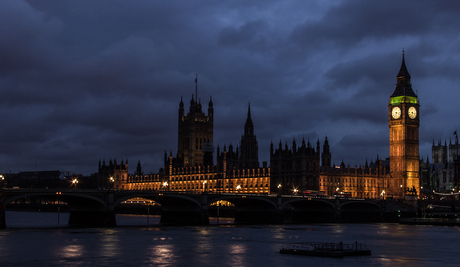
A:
82	81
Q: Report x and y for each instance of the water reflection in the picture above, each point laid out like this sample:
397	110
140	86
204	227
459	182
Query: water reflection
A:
3	242
110	243
279	234
162	254
238	253
338	228
204	245
391	245
70	251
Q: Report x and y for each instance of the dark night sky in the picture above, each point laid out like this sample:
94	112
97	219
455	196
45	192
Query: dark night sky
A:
82	81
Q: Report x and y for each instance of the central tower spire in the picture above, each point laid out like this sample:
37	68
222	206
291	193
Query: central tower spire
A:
196	88
195	130
249	157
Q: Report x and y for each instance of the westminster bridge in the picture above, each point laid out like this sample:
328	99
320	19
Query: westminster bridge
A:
97	207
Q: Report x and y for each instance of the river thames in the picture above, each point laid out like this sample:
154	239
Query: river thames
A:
42	239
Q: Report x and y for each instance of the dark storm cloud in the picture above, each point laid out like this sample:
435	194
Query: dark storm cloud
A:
82	81
356	21
253	36
25	42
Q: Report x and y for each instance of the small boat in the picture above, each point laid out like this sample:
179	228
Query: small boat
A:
322	249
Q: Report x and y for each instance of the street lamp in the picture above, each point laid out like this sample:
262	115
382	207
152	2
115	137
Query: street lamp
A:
75	182
238	187
112	181
279	189
295	191
165	184
204	183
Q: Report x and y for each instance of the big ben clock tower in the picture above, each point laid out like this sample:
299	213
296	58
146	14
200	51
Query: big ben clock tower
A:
404	123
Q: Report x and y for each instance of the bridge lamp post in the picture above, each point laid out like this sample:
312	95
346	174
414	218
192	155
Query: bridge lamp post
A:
165	185
112	181
75	182
279	189
204	183
295	191
238	187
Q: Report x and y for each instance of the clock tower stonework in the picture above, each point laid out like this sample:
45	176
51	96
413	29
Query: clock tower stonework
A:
404	123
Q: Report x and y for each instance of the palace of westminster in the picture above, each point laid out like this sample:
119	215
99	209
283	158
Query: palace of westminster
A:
301	169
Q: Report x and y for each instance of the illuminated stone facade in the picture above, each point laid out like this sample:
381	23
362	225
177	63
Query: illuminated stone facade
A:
218	179
370	181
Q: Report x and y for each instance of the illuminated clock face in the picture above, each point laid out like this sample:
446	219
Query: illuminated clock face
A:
412	112
396	113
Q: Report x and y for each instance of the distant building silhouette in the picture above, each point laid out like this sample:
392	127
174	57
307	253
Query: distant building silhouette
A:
195	130
249	150
326	157
294	170
442	174
112	175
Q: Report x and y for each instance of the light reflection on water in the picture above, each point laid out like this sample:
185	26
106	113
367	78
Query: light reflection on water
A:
162	254
238	253
110	243
391	244
70	251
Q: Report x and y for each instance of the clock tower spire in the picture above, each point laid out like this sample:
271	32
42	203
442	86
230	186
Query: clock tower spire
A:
404	123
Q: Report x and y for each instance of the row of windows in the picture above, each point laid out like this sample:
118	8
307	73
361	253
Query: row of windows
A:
140	179
198	169
193	178
200	187
143	187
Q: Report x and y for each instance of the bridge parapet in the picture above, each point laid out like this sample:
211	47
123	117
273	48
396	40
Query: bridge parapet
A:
96	207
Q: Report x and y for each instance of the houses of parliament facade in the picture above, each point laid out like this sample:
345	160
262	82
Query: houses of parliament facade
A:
302	168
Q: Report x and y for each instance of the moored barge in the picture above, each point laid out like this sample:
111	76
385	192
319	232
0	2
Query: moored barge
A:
322	249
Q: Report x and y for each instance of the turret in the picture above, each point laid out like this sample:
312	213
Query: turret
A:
192	105
139	168
181	109
326	154
211	110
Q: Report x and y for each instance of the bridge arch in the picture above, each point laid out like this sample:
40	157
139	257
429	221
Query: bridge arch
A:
309	210
162	199
249	209
361	211
324	202
243	200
